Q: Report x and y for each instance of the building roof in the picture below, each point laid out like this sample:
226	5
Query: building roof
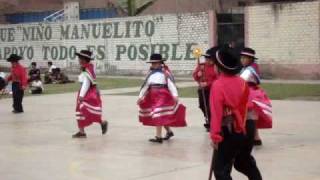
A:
17	6
185	6
178	6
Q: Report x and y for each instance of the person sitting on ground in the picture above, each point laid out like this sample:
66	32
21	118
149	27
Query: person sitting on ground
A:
49	74
36	87
5	87
34	73
3	83
59	77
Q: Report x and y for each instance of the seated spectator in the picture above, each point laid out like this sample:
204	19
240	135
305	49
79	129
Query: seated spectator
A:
36	87
3	83
48	76
5	88
60	77
34	73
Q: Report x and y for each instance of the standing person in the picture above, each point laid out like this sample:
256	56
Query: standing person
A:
19	79
34	73
89	105
158	101
229	98
205	75
259	107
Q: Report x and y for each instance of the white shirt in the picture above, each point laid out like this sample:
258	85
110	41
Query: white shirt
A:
52	67
3	75
159	78
250	75
37	84
85	81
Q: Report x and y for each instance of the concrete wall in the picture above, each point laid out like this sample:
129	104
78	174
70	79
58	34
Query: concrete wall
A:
121	45
286	38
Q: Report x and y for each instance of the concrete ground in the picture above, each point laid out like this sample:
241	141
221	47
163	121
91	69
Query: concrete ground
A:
37	145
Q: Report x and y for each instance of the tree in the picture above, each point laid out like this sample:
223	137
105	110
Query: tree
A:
131	7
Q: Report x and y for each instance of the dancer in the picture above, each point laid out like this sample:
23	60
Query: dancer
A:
259	107
89	105
229	98
158	101
19	79
205	75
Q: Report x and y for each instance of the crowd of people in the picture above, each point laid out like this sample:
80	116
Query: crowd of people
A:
19	80
234	107
54	75
233	104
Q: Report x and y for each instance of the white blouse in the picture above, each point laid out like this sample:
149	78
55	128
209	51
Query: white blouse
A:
85	84
159	78
250	75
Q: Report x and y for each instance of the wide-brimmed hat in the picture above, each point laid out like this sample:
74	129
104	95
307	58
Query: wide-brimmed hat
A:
86	54
249	53
211	53
14	58
227	61
154	58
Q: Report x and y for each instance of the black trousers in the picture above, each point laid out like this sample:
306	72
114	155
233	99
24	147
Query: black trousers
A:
204	103
37	90
235	150
17	94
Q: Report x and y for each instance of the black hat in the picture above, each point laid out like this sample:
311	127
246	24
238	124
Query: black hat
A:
85	54
249	53
14	58
211	53
155	58
227	61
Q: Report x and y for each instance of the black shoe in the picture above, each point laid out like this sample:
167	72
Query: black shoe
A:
257	143
168	136
156	140
79	135
104	127
207	126
17	112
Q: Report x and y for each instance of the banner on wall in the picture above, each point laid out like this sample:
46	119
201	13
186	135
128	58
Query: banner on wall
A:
113	41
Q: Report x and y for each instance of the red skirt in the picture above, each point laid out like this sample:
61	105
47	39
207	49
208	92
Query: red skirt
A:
90	109
159	108
261	104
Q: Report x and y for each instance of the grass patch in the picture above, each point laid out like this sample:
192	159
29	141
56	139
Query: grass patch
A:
275	91
103	84
292	91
